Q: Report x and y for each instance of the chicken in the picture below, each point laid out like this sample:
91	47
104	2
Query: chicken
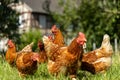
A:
50	48
58	41
42	53
26	63
58	37
98	60
11	53
68	61
26	60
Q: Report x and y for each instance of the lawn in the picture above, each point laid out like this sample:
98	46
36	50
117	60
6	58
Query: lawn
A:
9	73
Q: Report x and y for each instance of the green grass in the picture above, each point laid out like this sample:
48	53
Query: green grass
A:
9	73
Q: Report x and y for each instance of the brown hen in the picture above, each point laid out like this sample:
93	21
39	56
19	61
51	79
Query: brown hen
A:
58	40
11	53
26	63
98	60
58	37
42	53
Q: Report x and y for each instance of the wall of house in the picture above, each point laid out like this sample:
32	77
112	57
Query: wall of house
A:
3	46
29	19
24	17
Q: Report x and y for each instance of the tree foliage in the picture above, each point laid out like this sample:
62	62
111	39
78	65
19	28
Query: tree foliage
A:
66	18
98	18
95	18
8	20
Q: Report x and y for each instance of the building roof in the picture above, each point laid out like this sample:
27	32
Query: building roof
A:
41	5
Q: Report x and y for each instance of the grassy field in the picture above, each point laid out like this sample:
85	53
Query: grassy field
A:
8	73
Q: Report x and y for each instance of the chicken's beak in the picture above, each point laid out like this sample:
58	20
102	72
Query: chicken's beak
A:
38	59
85	40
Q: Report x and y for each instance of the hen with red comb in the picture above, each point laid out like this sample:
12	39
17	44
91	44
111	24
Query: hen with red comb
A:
58	36
11	54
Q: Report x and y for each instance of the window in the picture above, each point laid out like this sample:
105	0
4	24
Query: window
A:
42	21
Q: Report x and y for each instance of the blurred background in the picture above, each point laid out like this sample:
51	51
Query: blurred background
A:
25	21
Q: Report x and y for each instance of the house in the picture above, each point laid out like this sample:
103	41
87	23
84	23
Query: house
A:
35	14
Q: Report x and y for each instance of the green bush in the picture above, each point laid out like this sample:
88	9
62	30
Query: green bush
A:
28	37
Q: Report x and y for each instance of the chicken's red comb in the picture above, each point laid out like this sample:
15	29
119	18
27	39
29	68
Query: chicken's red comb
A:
54	27
9	42
82	35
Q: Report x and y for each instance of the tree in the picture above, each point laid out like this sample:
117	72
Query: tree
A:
94	18
8	20
65	19
98	18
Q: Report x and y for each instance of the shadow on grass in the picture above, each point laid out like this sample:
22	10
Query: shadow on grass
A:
84	75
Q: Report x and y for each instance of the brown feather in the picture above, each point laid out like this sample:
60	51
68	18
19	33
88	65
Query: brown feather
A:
25	64
98	60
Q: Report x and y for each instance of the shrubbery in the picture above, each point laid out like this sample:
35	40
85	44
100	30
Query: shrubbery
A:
28	37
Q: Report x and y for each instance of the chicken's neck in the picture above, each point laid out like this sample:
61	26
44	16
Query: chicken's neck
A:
59	39
74	47
42	52
13	49
42	49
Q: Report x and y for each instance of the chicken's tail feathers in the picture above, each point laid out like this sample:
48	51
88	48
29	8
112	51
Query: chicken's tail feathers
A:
106	36
106	43
31	44
28	48
106	40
